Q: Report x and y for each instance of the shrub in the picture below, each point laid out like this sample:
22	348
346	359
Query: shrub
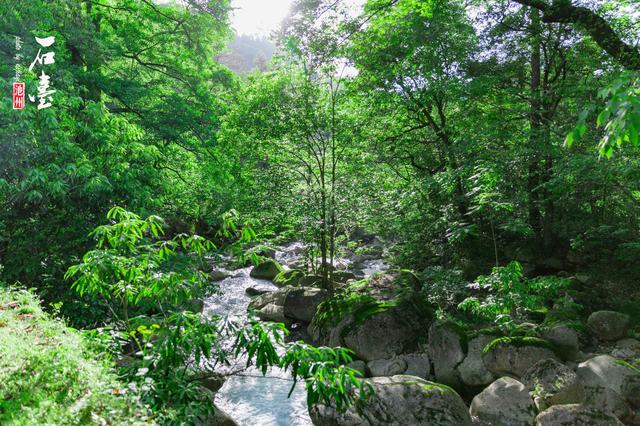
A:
49	375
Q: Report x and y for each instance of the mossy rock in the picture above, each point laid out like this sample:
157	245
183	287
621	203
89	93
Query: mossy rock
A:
290	278
310	281
513	356
268	269
518	342
399	400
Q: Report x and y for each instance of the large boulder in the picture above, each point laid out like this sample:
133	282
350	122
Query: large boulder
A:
472	370
381	335
301	303
288	278
609	325
270	306
376	318
387	367
505	402
552	383
399	401
606	399
288	304
576	414
565	339
513	356
267	270
609	372
418	364
447	345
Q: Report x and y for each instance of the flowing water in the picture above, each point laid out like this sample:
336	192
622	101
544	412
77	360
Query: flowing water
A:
248	397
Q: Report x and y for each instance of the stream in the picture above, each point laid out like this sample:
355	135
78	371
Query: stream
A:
247	396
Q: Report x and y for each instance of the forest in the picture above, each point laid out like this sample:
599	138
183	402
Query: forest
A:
412	212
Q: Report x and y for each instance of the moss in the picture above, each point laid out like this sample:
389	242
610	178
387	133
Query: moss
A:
429	386
366	298
291	278
488	331
267	269
518	342
425	385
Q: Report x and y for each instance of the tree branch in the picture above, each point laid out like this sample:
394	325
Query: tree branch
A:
597	27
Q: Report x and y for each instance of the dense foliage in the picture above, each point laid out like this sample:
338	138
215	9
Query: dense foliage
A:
486	141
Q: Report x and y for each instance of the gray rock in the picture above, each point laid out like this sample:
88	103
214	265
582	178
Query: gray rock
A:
472	370
632	344
606	371
552	383
270	306
380	336
360	366
606	399
310	281
609	325
631	391
267	270
400	401
505	402
301	303
575	414
273	313
565	339
417	364
212	382
387	367
219	275
626	349
378	333
446	350
257	291
514	357
288	304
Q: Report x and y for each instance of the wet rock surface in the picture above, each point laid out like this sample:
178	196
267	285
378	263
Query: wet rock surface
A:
400	401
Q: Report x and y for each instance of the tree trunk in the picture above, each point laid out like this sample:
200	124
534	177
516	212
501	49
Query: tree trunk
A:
535	129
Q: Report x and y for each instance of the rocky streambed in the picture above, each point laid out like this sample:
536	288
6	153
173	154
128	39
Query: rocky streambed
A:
248	397
427	371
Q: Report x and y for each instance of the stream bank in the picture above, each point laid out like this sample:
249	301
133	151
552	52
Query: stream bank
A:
565	366
248	397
